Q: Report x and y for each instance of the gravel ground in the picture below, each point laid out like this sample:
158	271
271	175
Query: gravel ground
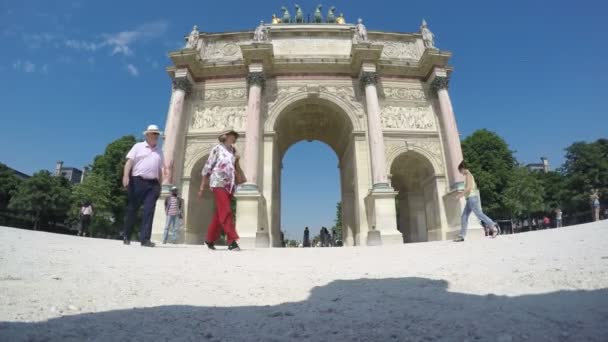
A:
549	285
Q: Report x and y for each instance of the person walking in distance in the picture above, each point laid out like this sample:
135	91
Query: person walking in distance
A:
86	213
471	195
595	204
173	209
558	218
141	178
306	239
222	174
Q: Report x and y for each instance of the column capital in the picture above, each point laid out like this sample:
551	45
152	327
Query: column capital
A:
256	78
182	84
183	81
440	82
368	77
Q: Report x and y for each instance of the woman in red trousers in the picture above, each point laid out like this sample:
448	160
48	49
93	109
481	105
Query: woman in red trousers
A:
222	173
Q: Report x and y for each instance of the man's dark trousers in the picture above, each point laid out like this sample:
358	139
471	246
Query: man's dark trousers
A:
146	192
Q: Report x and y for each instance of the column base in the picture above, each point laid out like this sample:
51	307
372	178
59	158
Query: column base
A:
262	240
383	218
247	216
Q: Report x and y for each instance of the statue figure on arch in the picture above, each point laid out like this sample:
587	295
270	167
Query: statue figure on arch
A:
360	32
261	33
193	38
427	36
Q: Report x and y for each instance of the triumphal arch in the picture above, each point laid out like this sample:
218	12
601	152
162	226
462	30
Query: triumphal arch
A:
379	99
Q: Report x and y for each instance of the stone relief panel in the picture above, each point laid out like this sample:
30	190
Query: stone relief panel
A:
400	50
311	46
408	118
223	50
218	118
222	94
404	94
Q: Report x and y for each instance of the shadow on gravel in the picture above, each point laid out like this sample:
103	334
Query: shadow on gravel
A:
404	309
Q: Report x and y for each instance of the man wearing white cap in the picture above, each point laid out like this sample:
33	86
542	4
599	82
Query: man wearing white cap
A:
141	177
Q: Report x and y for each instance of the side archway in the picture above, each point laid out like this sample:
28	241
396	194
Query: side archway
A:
413	176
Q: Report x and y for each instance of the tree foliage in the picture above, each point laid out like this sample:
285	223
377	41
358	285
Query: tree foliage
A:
524	194
585	168
338	221
491	162
106	172
44	197
8	185
98	191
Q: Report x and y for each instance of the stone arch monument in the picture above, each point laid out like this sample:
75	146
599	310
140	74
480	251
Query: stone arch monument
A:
378	99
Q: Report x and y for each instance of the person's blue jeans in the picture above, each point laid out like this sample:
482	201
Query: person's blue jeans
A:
473	205
171	222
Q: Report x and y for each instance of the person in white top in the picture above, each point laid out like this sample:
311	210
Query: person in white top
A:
86	214
141	178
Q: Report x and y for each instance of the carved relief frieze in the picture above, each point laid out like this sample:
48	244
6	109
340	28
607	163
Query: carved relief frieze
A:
223	94
404	94
218	118
408	118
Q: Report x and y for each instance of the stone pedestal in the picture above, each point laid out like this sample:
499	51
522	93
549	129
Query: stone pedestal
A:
247	217
382	218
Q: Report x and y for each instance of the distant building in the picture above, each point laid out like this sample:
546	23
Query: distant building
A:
72	174
543	166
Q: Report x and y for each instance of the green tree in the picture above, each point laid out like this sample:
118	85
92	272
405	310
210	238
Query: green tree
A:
98	191
524	194
8	185
44	197
292	243
491	162
553	183
108	168
338	221
585	168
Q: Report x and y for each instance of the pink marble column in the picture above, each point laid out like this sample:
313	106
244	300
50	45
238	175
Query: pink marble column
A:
450	130
181	87
376	138
255	80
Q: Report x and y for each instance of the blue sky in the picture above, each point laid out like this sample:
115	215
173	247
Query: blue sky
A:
78	74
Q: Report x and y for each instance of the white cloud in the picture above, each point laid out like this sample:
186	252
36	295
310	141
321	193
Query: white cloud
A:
29	67
121	42
132	70
82	45
25	66
45	69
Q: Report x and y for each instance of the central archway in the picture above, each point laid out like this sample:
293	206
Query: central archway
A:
316	119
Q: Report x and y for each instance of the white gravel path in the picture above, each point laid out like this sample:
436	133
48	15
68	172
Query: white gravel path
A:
550	285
